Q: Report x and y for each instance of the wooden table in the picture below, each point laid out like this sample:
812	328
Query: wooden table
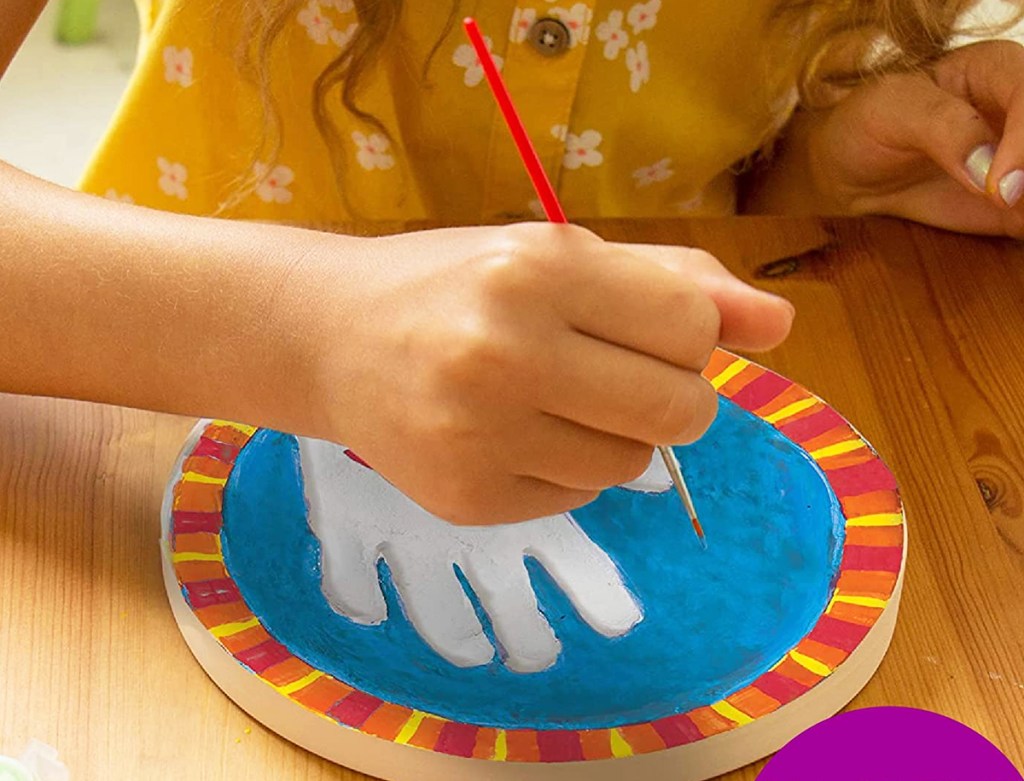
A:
916	336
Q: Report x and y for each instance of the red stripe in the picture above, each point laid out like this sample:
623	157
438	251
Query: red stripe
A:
559	746
211	592
266	654
355	457
456	739
186	522
222	451
813	425
677	730
355	709
867	558
779	687
861	479
838	634
762	390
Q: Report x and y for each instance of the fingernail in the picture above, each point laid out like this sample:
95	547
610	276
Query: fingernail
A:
1011	187
979	161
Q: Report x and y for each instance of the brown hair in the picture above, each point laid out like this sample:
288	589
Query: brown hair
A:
829	46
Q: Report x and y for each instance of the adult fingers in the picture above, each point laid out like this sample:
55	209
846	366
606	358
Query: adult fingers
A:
990	76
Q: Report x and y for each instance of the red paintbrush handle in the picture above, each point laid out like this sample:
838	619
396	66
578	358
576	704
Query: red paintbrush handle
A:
539	177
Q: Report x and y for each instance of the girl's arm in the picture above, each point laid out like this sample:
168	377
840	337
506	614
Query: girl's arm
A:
489	373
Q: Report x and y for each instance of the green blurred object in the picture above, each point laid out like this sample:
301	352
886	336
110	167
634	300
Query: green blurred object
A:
77	21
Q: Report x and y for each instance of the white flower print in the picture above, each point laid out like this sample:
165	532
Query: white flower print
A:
639	66
114	195
582	150
559	131
614	37
372	151
650	174
577	19
522	21
643	16
178	65
341	38
317	24
340	5
273	187
465	57
690	204
172	178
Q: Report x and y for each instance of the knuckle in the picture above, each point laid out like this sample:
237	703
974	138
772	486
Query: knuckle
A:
689	409
635	460
701	324
472	356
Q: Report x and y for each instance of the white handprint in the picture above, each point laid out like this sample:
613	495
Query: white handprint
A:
360	518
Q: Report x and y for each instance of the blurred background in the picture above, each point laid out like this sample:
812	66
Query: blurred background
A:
56	99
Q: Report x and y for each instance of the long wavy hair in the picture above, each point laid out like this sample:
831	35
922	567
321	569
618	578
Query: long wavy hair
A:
830	46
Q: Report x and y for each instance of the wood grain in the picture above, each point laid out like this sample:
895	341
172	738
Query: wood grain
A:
914	335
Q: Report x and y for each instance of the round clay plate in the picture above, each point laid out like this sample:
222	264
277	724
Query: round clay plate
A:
776	626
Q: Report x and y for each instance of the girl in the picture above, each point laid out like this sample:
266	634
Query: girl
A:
491	373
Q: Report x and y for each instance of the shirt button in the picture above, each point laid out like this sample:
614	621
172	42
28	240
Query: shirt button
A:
550	37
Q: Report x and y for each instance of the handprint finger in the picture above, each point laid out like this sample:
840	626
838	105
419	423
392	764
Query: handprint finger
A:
349	578
437	607
588	577
503	587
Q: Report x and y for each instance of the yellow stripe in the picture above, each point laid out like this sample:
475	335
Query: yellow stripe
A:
790	410
177	557
729	372
250	430
881	519
839	448
813	665
226	630
413	724
862	601
195	477
302	683
732	713
620	748
501	746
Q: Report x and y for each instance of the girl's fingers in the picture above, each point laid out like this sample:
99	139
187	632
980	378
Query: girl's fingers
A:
990	76
615	390
565	453
631	300
673	303
751	319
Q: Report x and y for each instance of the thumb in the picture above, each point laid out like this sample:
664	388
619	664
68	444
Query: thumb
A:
990	75
752	319
919	115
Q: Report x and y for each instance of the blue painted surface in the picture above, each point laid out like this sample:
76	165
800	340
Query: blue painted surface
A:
714	620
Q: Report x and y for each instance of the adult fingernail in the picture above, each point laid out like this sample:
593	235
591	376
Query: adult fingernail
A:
1011	187
979	161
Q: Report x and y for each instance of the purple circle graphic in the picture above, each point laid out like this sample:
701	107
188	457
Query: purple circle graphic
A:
890	744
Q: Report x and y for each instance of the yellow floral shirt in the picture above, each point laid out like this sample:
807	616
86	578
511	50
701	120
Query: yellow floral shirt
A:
644	112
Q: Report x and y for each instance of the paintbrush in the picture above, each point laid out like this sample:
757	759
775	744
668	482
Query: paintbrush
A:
554	212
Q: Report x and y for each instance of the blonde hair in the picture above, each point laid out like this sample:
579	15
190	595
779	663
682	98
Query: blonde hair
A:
829	47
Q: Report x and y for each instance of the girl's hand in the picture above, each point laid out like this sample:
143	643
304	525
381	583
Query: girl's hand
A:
498	374
944	148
